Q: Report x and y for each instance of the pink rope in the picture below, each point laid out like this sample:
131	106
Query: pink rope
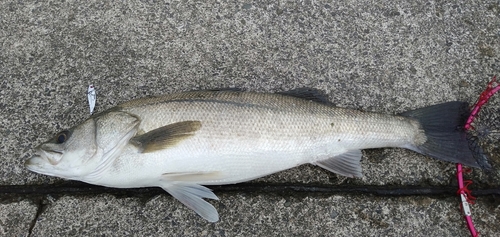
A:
463	190
483	99
466	198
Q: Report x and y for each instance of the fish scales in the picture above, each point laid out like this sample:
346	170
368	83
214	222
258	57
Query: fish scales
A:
271	116
240	133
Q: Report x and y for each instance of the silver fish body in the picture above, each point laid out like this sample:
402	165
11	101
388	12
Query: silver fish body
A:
182	141
244	136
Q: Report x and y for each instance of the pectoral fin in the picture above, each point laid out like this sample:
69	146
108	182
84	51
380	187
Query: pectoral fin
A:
347	164
166	136
192	195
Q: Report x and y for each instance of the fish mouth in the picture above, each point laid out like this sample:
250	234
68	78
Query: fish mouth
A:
34	163
52	156
39	165
42	159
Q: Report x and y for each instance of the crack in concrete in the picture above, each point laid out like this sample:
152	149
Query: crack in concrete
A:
44	195
42	204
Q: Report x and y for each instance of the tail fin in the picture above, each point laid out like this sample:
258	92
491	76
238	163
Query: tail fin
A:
443	125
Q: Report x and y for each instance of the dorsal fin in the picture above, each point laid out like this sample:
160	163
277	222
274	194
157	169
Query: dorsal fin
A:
308	94
166	136
234	89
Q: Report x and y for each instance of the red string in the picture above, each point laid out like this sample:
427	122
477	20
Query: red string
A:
465	190
483	99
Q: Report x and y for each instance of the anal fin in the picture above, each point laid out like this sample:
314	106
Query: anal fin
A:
347	164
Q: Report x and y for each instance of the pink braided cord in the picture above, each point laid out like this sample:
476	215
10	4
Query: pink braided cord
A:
463	190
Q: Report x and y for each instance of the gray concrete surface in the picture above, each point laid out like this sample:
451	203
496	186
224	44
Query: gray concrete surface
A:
384	55
16	218
265	215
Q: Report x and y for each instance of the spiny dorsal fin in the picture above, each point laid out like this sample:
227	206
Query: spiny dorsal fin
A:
227	89
166	136
308	94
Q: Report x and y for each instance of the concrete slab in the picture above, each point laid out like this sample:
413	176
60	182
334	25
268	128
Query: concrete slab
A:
384	56
17	218
244	214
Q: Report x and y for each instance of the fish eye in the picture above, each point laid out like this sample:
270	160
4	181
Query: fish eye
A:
61	137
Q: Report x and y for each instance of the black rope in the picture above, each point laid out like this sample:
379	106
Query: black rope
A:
12	193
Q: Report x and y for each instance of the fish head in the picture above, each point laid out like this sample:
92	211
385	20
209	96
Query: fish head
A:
67	153
82	150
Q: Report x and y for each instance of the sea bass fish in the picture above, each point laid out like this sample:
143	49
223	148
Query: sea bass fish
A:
182	141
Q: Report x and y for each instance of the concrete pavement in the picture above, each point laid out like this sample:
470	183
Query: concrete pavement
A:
385	56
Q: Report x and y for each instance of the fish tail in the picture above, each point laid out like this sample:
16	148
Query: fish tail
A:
447	139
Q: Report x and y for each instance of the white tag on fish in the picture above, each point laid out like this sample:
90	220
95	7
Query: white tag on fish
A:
91	94
465	205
